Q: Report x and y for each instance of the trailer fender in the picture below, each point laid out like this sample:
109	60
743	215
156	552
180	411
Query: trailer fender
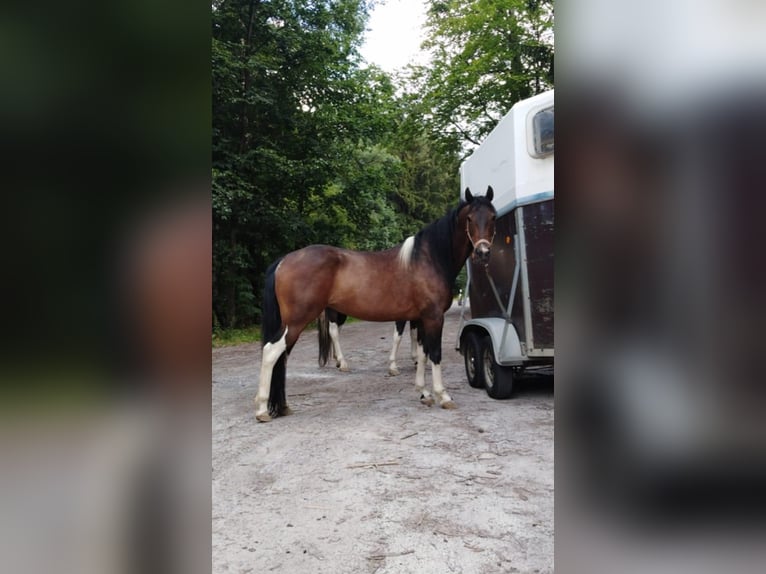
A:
505	340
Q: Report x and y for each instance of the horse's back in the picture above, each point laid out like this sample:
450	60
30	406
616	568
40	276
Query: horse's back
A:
311	259
313	255
309	267
369	285
374	286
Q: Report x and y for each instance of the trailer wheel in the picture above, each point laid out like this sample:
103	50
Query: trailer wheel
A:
472	358
498	380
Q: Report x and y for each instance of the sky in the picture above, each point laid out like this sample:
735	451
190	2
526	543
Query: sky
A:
394	34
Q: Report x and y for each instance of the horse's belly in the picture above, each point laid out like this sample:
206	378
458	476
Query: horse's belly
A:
375	309
375	301
379	290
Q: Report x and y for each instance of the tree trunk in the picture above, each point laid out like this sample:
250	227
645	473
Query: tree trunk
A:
231	287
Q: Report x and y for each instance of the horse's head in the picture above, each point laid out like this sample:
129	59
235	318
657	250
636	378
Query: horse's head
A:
479	217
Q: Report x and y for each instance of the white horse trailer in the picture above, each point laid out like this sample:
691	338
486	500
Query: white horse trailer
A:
511	299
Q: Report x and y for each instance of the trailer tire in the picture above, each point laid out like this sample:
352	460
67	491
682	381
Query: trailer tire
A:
472	359
498	380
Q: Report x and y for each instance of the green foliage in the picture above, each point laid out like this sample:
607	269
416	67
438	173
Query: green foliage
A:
283	80
487	55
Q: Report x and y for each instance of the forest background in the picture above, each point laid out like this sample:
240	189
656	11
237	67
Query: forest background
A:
312	144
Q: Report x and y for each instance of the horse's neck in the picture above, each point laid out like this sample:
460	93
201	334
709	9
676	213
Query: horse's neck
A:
461	249
459	258
460	246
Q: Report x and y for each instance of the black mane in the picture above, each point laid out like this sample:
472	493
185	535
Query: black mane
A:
438	236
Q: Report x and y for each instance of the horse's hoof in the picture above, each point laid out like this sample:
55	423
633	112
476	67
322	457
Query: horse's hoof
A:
285	411
449	405
264	418
344	368
393	371
427	401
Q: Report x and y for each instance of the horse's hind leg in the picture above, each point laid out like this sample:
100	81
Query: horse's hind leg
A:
393	370
340	362
413	342
272	352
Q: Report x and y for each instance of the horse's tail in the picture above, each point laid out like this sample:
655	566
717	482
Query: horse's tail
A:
325	343
271	332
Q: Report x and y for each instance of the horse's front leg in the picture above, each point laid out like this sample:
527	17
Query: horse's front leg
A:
420	377
432	339
442	396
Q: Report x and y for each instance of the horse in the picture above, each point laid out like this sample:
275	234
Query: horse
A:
412	281
393	370
330	322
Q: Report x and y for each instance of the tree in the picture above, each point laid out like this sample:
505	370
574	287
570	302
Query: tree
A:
277	66
309	145
486	56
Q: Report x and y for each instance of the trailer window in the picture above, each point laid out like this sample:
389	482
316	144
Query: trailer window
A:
542	127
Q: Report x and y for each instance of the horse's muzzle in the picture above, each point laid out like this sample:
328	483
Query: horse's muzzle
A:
481	252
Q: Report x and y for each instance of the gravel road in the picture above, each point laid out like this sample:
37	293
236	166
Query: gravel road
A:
365	479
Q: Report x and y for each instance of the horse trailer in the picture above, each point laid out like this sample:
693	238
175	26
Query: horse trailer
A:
510	329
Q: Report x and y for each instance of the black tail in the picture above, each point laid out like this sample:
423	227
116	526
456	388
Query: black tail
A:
323	328
271	332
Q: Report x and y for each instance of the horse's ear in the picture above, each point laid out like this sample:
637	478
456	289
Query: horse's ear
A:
468	195
490	193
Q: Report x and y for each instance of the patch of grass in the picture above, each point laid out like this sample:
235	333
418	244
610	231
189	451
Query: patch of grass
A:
61	390
252	334
229	337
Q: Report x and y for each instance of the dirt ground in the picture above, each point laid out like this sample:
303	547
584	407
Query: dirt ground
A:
363	478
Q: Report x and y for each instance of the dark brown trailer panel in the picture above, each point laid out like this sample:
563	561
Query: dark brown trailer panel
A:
511	325
538	231
538	223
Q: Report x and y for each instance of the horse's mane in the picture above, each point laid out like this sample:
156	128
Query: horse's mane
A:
438	236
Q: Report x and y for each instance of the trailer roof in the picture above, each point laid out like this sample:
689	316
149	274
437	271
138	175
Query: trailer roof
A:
506	159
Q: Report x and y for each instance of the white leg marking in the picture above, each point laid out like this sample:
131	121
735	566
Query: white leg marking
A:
393	370
340	362
271	353
444	399
420	378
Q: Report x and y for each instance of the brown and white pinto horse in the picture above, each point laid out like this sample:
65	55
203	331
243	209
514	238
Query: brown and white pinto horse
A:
412	281
329	323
